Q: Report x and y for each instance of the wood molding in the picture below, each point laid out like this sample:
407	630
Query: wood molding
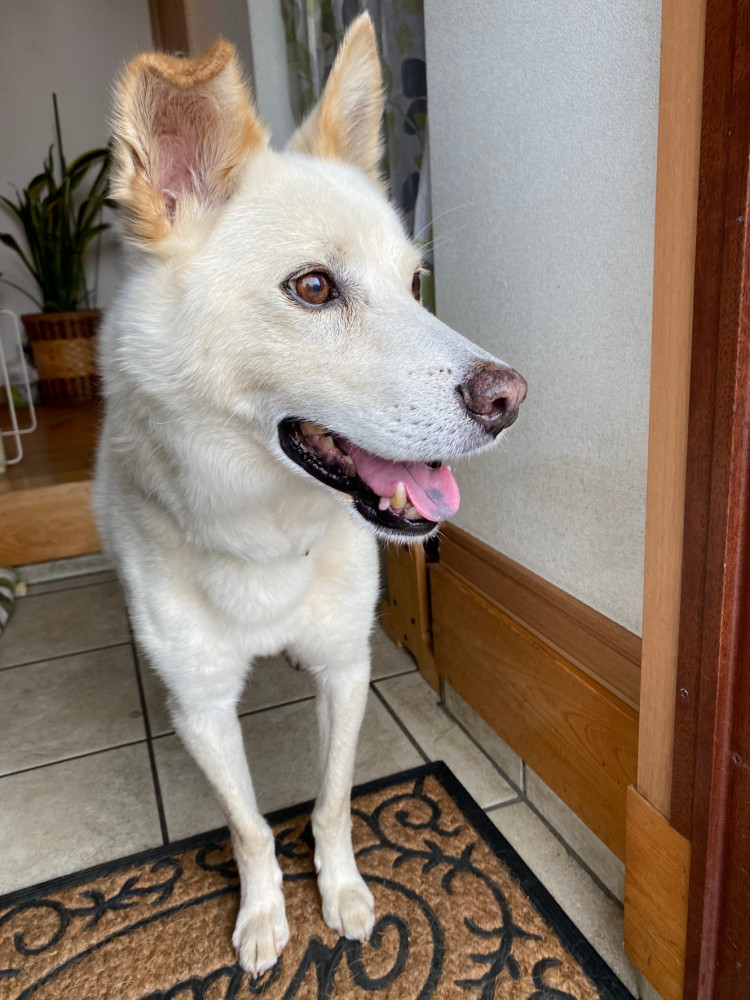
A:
405	615
656	896
578	737
45	500
51	522
60	450
678	150
592	642
170	28
711	780
717	239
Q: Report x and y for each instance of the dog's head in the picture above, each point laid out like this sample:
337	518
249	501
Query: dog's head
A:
288	289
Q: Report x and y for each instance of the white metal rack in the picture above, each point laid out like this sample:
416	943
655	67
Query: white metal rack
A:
16	431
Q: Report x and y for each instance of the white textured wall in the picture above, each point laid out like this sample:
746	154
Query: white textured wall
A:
75	48
543	152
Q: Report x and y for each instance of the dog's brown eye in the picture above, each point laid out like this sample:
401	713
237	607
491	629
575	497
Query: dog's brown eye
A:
416	285
315	288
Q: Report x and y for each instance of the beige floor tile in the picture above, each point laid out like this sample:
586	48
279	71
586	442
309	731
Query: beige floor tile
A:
597	916
66	621
416	705
506	758
592	851
69	706
59	819
282	751
389	659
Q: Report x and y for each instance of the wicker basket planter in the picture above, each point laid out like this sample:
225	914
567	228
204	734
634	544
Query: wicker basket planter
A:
64	349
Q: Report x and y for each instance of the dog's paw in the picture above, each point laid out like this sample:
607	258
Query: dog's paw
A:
349	909
260	935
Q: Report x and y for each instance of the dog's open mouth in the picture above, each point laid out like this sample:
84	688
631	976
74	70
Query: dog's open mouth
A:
404	498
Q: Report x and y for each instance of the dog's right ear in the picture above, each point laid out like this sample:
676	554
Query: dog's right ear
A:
183	129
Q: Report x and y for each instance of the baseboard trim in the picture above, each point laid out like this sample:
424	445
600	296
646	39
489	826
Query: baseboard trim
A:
601	648
580	738
656	896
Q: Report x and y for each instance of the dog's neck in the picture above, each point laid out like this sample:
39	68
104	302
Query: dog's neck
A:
225	492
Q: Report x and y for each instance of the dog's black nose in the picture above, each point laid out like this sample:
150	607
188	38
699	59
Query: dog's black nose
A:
492	395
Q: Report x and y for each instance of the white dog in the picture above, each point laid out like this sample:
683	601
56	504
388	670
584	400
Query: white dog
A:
276	398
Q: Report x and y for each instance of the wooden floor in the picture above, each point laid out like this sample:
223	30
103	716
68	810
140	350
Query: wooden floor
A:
60	450
45	499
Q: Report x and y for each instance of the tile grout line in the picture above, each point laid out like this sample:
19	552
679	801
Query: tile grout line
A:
387	677
518	789
75	756
441	705
149	744
102	563
497	806
524	799
399	723
112	578
278	704
574	855
251	711
63	656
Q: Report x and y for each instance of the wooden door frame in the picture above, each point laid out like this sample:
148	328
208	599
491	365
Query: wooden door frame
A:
711	775
170	26
678	154
658	857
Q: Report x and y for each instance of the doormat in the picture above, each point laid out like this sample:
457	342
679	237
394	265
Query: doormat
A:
458	914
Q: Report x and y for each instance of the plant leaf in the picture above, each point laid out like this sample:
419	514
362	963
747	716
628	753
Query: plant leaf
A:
11	206
12	242
91	234
23	291
59	225
80	167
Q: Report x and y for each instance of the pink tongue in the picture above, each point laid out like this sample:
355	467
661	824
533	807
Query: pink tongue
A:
432	492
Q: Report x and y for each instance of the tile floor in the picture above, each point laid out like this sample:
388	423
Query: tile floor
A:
90	768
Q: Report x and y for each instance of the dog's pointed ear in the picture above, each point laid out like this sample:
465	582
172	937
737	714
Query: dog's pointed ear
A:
183	129
345	123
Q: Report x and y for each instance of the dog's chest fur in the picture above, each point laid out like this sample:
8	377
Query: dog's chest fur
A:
207	517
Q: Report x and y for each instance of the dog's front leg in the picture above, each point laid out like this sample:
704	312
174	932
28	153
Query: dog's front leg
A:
348	906
211	732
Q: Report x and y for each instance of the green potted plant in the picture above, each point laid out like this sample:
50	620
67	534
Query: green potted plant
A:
60	218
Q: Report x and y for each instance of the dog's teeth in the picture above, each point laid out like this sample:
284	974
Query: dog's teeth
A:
399	498
411	513
308	427
384	503
327	442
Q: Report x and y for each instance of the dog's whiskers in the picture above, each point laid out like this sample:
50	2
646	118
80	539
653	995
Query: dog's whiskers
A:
433	220
429	248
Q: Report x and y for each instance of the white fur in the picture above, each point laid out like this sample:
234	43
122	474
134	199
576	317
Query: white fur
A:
227	549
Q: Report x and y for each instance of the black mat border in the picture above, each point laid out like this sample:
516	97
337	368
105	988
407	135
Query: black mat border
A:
594	966
572	939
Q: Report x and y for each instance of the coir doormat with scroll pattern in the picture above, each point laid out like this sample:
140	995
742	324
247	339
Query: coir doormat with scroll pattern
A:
458	915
